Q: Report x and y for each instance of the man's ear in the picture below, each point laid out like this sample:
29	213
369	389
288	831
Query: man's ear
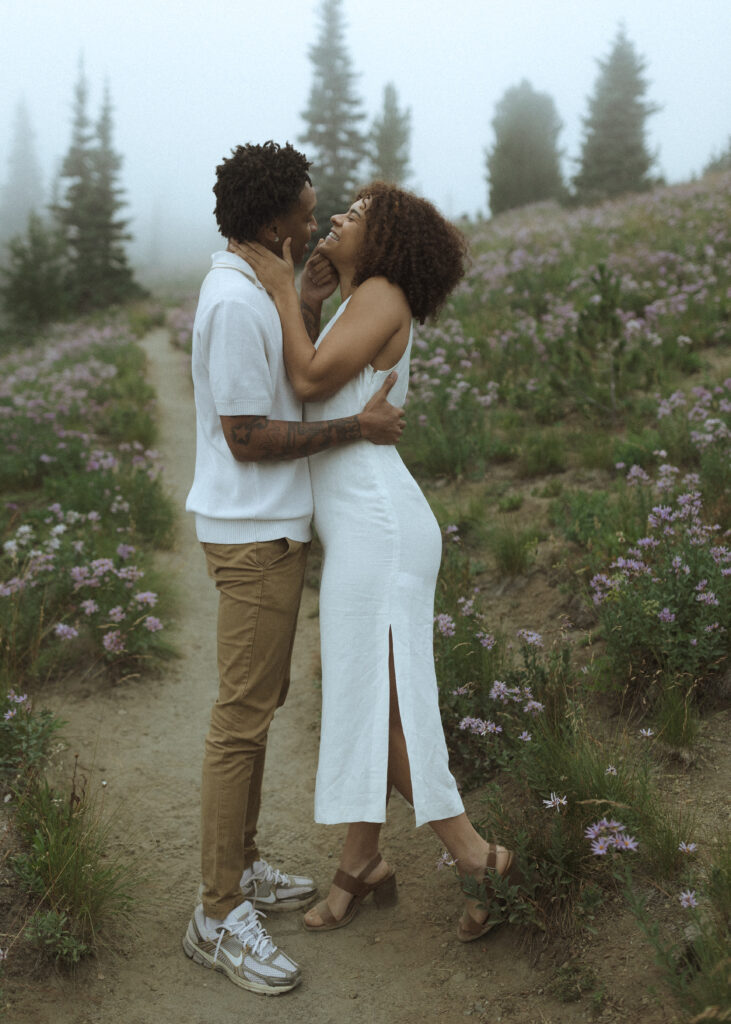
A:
269	237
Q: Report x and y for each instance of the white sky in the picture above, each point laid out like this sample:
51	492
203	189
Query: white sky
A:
189	79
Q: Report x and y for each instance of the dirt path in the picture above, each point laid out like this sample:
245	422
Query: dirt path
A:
145	738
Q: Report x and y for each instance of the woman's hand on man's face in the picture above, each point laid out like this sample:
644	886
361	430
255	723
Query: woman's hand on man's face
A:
273	272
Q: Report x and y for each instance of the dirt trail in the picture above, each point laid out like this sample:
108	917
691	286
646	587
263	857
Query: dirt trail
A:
145	738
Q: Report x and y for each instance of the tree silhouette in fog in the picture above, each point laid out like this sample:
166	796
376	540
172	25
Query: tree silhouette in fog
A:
614	157
87	210
333	138
22	192
389	140
523	165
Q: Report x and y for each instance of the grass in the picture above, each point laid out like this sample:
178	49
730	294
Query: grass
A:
68	868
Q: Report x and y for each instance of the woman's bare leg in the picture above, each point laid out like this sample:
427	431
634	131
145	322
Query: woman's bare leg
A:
465	845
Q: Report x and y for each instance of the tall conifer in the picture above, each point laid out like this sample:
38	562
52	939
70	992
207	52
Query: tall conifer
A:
524	163
334	141
390	138
22	192
614	156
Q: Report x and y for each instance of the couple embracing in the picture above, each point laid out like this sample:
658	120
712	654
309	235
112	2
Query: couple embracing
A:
258	355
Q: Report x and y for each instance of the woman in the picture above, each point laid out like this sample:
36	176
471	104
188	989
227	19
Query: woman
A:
396	259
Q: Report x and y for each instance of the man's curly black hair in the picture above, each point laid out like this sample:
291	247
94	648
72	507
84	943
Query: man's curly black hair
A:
411	244
257	184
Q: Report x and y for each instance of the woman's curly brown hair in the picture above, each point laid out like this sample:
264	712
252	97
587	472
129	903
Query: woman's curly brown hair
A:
411	244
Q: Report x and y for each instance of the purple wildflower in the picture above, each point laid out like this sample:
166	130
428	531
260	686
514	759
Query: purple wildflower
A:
113	642
687	898
65	632
152	624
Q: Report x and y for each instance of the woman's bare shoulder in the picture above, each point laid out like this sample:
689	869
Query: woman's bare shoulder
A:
384	293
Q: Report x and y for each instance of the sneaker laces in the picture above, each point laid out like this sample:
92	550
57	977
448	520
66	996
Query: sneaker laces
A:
271	874
249	932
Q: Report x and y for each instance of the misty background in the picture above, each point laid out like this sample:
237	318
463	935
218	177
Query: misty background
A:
189	81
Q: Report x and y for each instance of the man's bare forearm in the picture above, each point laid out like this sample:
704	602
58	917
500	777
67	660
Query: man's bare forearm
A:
258	439
311	315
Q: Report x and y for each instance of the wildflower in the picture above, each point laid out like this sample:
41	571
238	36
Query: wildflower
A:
528	636
625	842
89	607
491	727
486	639
445	861
3	954
601	845
646	733
687	847
499	691
533	707
666	615
610	770
116	614
687	898
146	597
10	713
445	624
525	737
125	551
113	642
462	690
555	801
476	725
64	632
152	624
592	831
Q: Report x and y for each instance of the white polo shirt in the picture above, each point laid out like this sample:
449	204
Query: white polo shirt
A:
238	370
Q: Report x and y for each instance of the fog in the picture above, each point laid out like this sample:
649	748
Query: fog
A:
190	80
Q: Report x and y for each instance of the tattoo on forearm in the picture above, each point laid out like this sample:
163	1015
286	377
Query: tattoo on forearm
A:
278	440
311	320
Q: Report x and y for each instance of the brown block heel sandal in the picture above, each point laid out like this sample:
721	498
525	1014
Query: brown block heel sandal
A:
384	892
468	928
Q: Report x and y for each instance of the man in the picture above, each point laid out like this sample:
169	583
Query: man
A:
252	502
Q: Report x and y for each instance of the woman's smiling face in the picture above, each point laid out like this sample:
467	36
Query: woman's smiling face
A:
342	244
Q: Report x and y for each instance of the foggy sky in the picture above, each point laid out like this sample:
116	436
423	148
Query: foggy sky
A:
189	80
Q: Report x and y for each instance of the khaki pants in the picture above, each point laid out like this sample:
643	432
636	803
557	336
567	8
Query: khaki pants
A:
259	588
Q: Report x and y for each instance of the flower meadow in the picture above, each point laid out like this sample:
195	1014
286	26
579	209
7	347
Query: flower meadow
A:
575	400
86	506
83	511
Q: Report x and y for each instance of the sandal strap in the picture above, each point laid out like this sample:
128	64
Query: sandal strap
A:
356	886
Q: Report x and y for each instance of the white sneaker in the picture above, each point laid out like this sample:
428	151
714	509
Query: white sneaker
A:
242	950
271	889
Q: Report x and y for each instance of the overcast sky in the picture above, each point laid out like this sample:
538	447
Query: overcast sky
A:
189	79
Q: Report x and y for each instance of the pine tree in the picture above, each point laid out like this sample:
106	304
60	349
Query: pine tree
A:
335	143
33	288
114	281
614	157
86	210
390	138
23	189
524	163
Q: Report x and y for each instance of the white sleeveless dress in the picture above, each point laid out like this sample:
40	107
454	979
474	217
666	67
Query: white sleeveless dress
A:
382	549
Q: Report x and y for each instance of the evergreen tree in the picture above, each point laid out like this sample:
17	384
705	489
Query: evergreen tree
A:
614	157
23	189
390	138
524	164
114	281
335	143
87	207
33	288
